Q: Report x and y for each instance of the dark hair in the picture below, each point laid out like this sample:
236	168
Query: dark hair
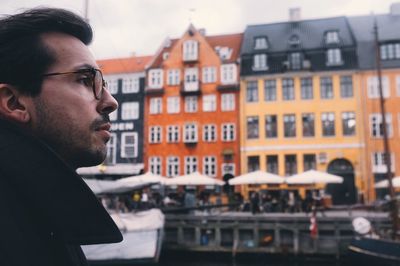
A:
23	56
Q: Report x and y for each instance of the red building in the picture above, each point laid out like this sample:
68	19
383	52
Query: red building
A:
192	106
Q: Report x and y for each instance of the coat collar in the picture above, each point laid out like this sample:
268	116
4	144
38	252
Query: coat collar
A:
53	189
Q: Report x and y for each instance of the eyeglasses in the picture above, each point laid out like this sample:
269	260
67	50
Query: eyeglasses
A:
94	80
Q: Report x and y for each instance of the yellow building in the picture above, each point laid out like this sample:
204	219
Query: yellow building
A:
300	102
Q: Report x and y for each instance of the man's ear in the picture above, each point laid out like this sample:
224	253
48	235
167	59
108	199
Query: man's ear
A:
13	104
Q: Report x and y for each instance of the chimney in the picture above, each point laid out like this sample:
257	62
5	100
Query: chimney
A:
395	9
202	31
294	14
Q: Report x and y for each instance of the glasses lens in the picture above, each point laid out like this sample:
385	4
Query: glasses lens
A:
98	84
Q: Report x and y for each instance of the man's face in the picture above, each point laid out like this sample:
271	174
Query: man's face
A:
66	115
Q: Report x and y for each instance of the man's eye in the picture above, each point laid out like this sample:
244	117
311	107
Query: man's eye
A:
85	80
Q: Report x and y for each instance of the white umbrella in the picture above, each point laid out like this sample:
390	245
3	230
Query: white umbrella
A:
145	178
385	183
314	177
257	177
195	179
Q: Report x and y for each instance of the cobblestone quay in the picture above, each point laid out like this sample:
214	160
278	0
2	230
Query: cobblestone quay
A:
274	233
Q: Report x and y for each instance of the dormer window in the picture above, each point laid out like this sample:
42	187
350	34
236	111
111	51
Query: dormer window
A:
295	60
294	41
390	51
260	62
334	57
224	53
190	50
332	37
260	43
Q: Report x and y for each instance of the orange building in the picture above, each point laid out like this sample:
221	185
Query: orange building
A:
192	106
387	43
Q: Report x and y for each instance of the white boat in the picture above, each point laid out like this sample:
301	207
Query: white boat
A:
142	233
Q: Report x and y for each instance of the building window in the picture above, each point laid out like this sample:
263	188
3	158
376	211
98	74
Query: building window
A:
173	134
332	37
376	125
112	85
209	133
172	166
228	132
271	126
334	57
390	51
155	134
129	145
270	90
155	78
308	124
326	88
191	79
309	162
174	77
272	164
253	163
191	104
155	165
111	150
190	133
210	166
130	110
173	104
156	105
252	91
379	164
252	127
346	87
113	115
290	164
260	62
307	89
209	74
190	50
373	87
130	85
349	123
289	125
288	89
228	102
328	124
260	43
228	74
209	103
295	61
190	164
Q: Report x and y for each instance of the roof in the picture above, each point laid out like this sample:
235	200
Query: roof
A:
310	33
124	65
233	41
363	29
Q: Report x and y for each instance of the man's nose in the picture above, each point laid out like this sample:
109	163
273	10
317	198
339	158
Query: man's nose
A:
107	103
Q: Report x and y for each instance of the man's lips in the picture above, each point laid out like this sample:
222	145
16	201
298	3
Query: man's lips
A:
105	127
104	130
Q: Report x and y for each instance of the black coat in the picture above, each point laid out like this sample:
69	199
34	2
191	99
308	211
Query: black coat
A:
46	210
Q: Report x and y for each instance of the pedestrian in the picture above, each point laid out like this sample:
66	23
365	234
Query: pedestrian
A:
54	118
255	202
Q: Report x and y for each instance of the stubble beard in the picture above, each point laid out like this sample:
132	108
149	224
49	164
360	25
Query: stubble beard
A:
64	136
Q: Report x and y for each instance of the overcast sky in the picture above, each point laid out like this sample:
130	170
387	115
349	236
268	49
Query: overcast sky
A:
126	27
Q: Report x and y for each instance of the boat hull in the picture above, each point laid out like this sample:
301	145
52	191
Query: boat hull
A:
375	251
